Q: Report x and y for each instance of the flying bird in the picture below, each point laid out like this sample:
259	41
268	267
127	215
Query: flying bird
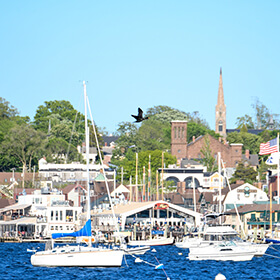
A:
139	118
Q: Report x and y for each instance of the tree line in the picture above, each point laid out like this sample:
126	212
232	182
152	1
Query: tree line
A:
58	129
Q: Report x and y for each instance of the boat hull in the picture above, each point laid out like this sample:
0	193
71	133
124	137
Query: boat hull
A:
221	253
139	250
90	258
221	257
152	242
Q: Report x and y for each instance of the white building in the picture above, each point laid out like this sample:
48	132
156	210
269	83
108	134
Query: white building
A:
40	214
242	195
71	172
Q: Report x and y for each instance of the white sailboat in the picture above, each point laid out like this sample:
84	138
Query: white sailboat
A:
80	256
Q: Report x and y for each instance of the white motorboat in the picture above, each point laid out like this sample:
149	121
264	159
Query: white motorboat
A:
155	241
225	251
214	235
76	256
220	233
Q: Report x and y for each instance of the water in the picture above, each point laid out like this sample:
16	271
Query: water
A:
15	264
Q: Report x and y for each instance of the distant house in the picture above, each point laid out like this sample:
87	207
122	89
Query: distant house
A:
75	194
213	181
109	146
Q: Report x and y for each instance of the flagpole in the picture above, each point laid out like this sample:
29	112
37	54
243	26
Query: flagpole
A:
130	188
149	178
278	188
157	185
136	179
162	161
144	184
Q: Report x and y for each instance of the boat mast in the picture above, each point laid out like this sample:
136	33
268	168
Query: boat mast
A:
87	155
220	185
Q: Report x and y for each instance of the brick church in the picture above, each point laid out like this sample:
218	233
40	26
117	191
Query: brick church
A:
231	154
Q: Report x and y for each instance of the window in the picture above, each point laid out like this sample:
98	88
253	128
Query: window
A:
238	196
179	132
60	216
56	215
175	132
51	215
220	126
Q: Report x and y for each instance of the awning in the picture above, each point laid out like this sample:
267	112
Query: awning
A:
21	221
14	207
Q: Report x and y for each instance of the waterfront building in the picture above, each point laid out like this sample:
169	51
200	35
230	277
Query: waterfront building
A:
39	214
254	218
147	214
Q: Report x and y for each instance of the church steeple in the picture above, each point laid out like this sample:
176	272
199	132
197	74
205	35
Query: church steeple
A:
221	110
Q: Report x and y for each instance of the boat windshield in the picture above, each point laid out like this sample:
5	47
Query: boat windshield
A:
226	244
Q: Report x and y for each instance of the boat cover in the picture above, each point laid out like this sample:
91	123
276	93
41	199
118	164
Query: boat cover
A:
85	231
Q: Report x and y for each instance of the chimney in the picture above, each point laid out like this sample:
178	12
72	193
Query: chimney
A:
247	154
193	138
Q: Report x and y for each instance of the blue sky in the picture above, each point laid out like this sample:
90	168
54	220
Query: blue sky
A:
140	53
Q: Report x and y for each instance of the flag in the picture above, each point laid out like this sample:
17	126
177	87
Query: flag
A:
273	159
269	147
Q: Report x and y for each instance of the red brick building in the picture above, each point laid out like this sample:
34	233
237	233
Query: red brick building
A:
231	154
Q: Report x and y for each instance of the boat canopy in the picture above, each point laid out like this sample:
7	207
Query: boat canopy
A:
85	231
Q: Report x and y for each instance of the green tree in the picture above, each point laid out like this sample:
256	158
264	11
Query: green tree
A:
250	141
244	173
24	143
261	118
154	135
61	119
262	114
246	120
9	118
157	110
208	159
7	111
57	150
196	130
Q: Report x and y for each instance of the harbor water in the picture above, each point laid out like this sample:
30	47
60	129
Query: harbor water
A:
15	264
